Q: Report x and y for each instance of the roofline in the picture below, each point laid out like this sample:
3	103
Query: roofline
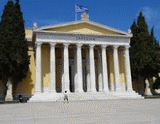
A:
81	21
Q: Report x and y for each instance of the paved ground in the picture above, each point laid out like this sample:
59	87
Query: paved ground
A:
86	112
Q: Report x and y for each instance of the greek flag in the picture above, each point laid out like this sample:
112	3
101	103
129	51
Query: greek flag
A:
79	8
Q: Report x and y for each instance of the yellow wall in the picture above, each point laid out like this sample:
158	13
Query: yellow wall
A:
110	65
27	84
29	33
83	28
121	67
45	66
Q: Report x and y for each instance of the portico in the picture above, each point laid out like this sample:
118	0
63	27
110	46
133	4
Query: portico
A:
83	62
77	65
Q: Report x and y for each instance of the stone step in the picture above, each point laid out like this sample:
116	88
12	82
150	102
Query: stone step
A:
9	102
44	97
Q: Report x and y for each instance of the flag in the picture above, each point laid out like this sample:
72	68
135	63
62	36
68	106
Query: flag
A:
79	8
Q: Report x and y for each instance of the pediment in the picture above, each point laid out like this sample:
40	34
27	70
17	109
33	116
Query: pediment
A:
83	27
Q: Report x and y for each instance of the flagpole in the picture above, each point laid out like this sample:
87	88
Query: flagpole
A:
75	16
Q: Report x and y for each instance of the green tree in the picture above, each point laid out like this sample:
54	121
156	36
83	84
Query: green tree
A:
144	50
20	57
154	53
7	36
14	47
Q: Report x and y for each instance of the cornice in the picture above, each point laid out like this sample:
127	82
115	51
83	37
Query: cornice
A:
81	34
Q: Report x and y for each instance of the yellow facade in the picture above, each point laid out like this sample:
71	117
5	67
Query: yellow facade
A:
29	34
110	65
45	65
121	67
28	84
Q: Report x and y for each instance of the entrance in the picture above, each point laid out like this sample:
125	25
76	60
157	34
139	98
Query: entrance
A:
71	78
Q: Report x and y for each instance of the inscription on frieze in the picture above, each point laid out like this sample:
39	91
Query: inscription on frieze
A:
85	38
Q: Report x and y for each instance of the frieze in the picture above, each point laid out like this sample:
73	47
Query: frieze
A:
82	39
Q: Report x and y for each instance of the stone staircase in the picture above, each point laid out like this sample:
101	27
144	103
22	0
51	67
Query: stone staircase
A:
46	97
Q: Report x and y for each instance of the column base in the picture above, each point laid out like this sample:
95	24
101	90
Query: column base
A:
79	91
52	91
93	90
100	90
46	90
38	92
106	91
118	90
130	90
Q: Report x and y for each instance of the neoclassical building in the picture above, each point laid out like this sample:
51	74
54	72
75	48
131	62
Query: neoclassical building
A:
84	58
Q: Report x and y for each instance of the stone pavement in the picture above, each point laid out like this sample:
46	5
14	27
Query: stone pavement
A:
142	111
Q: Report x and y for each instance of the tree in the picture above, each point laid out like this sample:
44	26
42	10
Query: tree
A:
154	53
13	45
20	57
7	36
144	50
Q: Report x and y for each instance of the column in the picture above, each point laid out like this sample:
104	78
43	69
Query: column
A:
92	68
128	70
79	69
116	68
88	71
104	67
38	67
52	68
66	67
62	70
100	70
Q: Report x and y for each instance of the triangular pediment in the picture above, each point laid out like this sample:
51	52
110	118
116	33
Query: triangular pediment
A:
83	27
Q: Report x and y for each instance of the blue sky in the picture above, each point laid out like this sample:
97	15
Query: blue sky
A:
118	14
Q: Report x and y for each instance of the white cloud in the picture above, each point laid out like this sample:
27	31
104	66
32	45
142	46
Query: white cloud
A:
47	21
152	16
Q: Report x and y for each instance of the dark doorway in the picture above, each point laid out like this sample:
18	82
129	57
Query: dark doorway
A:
84	79
71	80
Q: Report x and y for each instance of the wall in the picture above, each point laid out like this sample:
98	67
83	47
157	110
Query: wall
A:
45	66
26	86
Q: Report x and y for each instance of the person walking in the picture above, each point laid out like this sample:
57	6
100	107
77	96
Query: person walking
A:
65	97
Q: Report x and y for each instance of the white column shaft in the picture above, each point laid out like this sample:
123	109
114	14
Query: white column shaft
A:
38	68
52	68
104	67
66	67
79	68
92	69
128	70
116	68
